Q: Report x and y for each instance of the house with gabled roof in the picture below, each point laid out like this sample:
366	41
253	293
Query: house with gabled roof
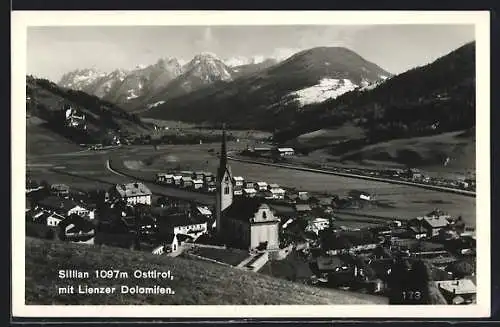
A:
132	193
64	207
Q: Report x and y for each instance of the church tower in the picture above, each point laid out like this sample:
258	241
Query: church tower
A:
224	184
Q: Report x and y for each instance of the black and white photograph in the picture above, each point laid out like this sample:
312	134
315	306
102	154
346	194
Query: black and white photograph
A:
206	164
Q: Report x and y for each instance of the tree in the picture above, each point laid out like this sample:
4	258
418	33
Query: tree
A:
460	269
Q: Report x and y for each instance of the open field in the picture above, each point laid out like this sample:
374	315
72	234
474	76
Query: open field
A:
184	127
395	201
194	282
41	140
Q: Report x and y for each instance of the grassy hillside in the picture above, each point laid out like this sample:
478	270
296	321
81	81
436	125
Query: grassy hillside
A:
423	151
42	140
47	101
194	282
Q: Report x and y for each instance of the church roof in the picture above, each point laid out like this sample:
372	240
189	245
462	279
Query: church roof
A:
243	209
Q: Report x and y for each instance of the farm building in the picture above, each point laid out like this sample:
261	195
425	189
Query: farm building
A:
61	190
361	195
283	152
414	174
131	193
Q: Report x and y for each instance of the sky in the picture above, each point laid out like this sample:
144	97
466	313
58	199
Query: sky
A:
55	50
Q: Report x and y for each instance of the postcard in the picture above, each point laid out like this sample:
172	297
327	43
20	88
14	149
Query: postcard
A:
201	164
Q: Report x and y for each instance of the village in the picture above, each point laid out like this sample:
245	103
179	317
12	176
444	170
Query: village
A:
256	225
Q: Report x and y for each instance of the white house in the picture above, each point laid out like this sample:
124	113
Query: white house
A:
249	185
277	193
177	180
198	184
249	192
132	193
54	219
210	187
317	224
186	182
199	175
273	186
238	191
163	178
261	186
284	152
61	190
64	207
182	224
238	181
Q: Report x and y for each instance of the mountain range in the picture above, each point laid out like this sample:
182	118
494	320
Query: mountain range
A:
318	71
167	77
264	98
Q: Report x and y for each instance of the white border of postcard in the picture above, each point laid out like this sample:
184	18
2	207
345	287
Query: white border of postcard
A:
21	20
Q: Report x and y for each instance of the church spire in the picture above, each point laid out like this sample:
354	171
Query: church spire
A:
223	155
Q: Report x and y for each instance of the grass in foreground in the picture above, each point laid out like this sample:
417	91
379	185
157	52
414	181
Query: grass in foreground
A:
194	282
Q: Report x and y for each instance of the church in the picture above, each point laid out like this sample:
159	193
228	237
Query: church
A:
246	223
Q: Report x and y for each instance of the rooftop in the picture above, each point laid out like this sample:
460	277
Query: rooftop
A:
180	219
132	189
59	187
244	209
285	149
56	203
436	222
238	178
461	286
